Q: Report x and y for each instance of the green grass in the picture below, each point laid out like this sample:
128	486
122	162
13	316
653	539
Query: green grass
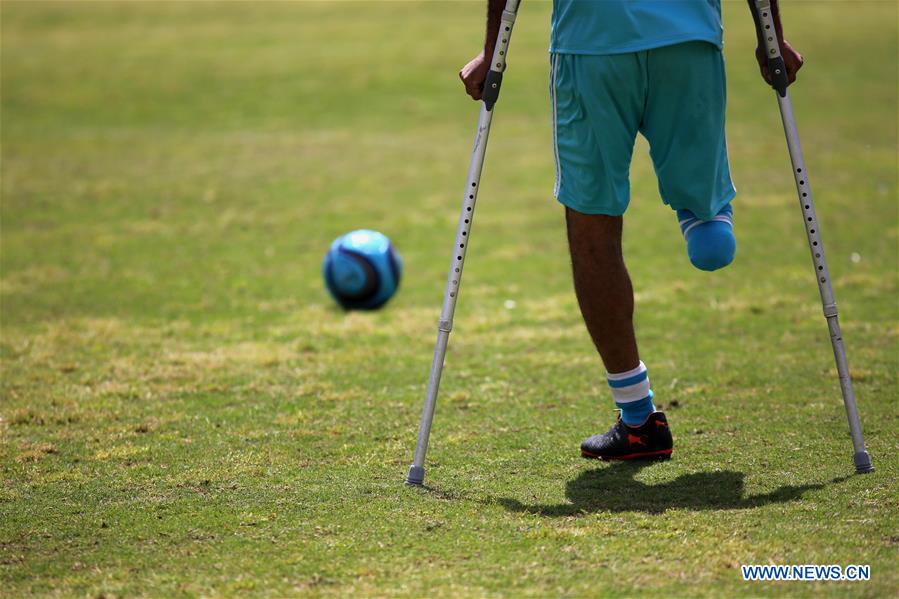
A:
184	411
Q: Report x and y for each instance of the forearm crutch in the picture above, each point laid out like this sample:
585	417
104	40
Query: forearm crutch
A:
764	22
492	85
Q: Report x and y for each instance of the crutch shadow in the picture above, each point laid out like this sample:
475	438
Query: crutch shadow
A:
613	488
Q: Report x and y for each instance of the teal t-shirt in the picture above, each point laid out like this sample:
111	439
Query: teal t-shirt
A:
618	26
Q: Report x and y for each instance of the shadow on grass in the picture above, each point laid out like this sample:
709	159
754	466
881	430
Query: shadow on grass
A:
614	489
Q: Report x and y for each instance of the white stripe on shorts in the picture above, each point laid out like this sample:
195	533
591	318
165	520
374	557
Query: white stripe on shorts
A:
552	93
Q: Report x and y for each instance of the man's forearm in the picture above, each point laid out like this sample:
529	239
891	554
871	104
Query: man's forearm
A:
775	15
494	16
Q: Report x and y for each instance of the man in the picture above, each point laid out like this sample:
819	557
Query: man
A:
619	67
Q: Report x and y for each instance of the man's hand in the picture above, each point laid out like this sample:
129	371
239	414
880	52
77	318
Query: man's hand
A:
792	60
473	75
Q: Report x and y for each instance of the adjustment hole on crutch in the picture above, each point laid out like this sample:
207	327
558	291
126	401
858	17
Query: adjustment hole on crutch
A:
801	182
805	195
814	243
823	280
466	220
764	14
452	294
464	233
798	170
471	196
806	206
768	27
812	231
810	219
474	184
458	257
507	29
461	245
820	268
817	255
457	270
469	208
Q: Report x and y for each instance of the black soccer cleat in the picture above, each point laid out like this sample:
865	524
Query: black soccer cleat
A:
649	441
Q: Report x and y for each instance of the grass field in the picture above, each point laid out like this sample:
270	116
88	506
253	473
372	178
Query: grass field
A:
184	411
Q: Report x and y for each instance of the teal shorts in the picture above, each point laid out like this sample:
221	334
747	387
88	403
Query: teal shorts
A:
674	95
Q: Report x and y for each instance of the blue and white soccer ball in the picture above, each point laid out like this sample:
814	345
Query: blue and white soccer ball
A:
362	270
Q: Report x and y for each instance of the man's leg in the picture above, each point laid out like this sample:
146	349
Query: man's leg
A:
606	298
684	123
603	287
597	106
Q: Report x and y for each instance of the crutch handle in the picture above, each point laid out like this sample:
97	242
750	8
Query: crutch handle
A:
495	75
491	88
778	73
764	25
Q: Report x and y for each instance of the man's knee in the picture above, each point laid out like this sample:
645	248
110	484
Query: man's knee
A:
593	233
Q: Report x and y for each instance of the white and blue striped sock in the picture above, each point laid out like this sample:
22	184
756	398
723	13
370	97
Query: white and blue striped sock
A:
632	394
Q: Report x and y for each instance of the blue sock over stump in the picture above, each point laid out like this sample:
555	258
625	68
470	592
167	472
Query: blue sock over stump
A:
710	243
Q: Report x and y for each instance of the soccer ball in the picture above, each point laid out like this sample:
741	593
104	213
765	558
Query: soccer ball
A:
362	270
